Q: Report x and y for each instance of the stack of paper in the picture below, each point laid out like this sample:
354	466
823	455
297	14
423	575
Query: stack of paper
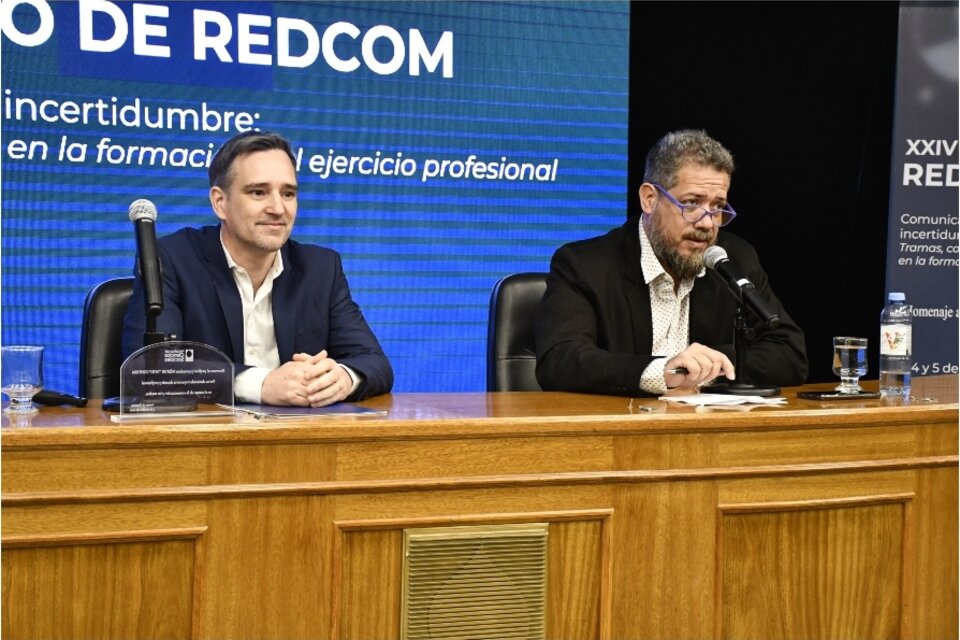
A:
722	400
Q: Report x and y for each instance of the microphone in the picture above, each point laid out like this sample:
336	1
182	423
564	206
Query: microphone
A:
716	258
143	214
54	399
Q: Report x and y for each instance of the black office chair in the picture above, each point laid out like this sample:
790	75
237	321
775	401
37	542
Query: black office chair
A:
511	356
100	334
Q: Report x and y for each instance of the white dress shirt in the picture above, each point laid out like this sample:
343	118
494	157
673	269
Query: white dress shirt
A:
260	351
669	312
259	339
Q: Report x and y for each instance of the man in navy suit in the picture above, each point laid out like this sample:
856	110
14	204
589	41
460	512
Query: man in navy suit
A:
635	311
281	310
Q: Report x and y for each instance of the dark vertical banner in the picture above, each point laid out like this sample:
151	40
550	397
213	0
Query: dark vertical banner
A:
922	255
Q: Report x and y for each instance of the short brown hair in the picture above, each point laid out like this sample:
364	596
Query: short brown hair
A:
240	145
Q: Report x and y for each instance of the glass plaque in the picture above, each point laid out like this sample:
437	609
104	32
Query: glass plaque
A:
175	377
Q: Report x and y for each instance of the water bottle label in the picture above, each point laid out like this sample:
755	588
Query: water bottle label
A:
895	340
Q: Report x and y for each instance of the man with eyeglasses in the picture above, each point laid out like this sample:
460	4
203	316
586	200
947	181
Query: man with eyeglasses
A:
636	311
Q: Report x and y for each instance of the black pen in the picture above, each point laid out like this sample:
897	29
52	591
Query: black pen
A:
679	370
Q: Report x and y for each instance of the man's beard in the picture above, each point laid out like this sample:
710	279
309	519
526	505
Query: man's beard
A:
679	265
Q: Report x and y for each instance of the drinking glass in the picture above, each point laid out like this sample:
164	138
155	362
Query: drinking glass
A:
849	362
21	371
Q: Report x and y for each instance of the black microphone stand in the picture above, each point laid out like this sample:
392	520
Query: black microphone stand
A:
742	335
151	308
151	335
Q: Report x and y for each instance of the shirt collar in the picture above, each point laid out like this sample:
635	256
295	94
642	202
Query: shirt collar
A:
275	271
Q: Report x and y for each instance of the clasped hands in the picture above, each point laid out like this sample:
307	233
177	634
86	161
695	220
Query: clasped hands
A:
702	364
307	381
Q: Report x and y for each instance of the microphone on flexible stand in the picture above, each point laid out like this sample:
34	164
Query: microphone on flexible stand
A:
716	258
143	214
746	294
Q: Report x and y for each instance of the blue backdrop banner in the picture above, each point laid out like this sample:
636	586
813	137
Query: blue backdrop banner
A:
441	146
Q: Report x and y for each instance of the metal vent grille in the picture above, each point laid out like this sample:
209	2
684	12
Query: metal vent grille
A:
474	582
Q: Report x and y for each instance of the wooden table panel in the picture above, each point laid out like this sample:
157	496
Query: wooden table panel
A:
663	519
812	571
133	589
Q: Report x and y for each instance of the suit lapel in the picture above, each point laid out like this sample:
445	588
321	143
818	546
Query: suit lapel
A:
700	313
638	295
704	301
284	289
226	289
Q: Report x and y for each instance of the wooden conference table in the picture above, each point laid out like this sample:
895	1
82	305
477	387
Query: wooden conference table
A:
809	520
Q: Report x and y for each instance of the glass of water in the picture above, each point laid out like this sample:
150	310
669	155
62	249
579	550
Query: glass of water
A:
21	371
849	362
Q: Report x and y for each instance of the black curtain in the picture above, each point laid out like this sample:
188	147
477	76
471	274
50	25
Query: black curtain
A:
802	94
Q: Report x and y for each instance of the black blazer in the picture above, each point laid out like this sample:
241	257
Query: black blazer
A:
594	332
312	307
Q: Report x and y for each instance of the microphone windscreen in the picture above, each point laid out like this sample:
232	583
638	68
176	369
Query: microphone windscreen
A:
142	210
713	255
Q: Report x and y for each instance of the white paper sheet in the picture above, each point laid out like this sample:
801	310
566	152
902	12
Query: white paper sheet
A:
722	400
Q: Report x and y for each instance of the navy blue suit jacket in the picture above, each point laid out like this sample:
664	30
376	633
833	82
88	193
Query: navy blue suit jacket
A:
312	307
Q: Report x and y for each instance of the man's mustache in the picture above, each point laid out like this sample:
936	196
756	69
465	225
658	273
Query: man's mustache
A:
698	235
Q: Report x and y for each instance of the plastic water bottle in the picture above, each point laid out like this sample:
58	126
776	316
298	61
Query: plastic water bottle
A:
896	329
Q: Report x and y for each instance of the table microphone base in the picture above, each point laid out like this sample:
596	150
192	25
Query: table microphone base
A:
734	388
